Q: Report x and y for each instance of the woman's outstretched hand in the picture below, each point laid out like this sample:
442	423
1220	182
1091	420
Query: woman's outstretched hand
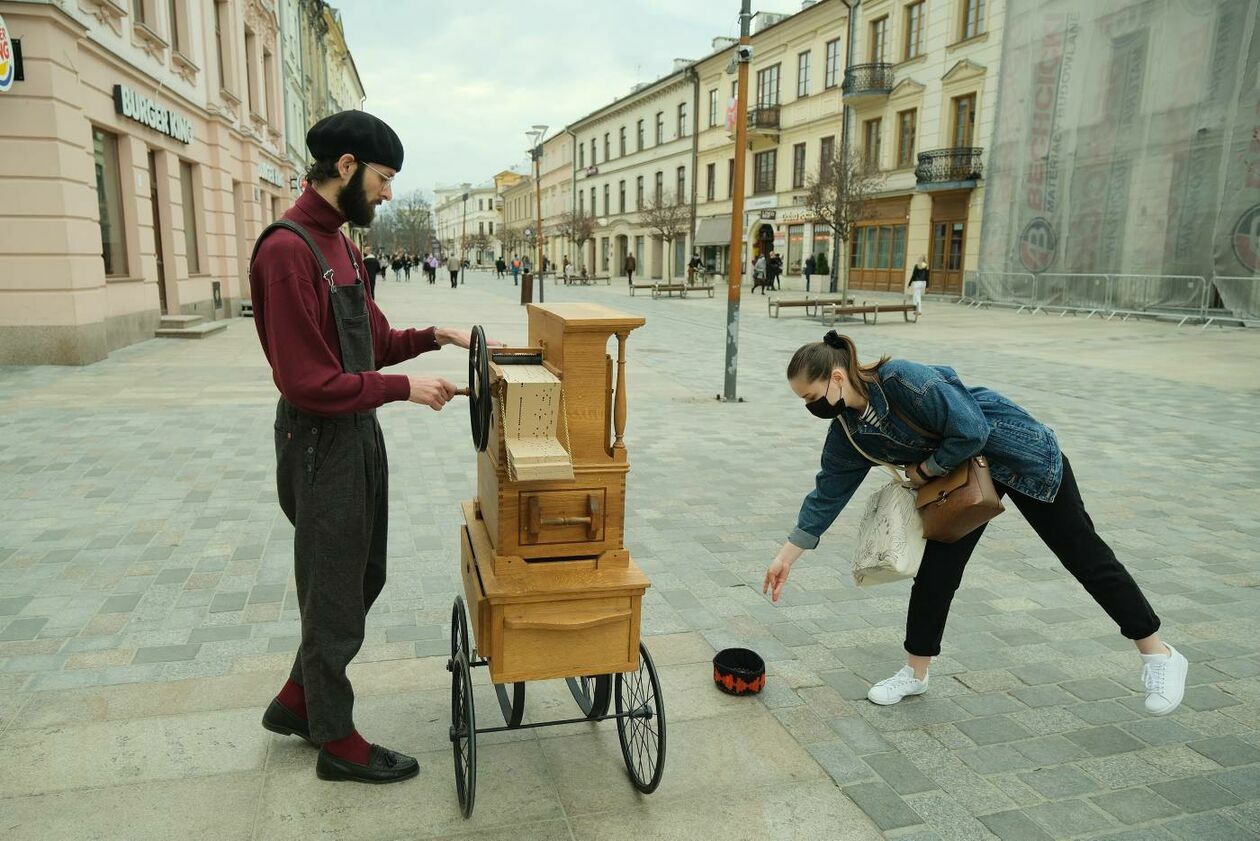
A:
776	577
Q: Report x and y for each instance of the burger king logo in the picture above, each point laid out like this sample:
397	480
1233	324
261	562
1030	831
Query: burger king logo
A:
8	64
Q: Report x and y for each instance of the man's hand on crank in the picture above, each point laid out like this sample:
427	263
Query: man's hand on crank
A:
433	392
459	338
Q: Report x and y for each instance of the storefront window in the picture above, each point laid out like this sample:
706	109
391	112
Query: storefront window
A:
855	248
716	257
899	247
109	200
885	247
795	244
822	242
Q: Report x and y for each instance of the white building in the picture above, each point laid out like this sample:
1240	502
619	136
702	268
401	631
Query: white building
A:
458	220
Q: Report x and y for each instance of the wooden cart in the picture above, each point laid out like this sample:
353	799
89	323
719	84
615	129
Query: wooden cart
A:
550	591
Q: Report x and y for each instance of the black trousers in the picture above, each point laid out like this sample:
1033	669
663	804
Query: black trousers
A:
1065	527
455	278
333	481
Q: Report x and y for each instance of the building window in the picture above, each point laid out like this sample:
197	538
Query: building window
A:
581	156
964	115
878	247
638	191
270	104
879	31
826	153
798	166
481	204
802	75
176	26
639	131
682	119
659	190
607	147
832	71
607	206
188	192
621	196
222	33
660	127
251	80
594	156
713	108
907	123
481	227
730	178
603	253
710	181
768	86
681	181
972	18
490	228
914	30
763	171
594	207
870	145
734	89
109	202
621	141
581	203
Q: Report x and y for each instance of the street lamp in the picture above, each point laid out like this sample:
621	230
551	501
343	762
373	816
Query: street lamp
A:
536	135
463	242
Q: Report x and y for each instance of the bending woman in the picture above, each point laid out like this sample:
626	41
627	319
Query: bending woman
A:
874	401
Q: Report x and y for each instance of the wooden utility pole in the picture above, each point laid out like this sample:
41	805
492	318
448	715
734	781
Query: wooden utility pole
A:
735	271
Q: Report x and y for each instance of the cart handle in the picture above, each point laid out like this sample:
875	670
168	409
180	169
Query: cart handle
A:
578	625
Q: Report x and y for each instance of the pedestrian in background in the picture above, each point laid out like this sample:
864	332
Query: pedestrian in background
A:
372	267
407	267
565	267
809	270
925	418
499	266
395	263
919	282
452	266
630	266
775	269
432	263
516	270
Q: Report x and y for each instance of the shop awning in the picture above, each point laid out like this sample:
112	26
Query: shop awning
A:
713	230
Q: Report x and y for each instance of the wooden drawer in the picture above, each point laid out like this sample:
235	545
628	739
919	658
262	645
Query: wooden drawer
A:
564	638
474	594
571	516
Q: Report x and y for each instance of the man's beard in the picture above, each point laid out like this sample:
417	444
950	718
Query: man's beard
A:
352	201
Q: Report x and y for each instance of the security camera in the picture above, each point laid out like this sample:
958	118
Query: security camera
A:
744	53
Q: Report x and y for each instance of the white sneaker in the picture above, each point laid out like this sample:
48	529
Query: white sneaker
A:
893	689
1164	676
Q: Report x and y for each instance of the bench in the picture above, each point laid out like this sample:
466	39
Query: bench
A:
837	310
668	289
635	286
701	287
809	302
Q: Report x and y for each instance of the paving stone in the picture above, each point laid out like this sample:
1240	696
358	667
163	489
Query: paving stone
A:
899	773
1103	712
219	633
1014	826
1135	805
1195	794
991	759
1211	828
1208	698
989	704
1050	750
1227	751
1043	696
225	602
1244	782
858	734
1159	731
121	604
1103	741
849	685
1094	689
1058	783
992	730
840	763
25	628
882	805
166	653
13	605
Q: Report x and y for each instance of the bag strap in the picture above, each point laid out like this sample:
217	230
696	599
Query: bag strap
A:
929	435
325	270
890	468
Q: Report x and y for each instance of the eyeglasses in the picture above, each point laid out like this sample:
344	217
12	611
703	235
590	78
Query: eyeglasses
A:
388	179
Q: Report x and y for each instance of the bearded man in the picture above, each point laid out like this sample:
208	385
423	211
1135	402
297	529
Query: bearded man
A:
326	341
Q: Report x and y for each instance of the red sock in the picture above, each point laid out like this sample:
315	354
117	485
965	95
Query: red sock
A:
353	748
293	697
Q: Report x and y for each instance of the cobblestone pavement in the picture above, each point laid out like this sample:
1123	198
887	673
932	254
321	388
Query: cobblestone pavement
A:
147	610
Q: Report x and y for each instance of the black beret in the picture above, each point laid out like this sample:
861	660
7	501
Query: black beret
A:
357	133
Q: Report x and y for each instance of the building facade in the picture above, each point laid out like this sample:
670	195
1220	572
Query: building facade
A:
459	223
146	149
556	177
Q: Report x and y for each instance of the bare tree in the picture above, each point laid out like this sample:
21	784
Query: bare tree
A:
512	238
840	196
577	228
478	243
668	217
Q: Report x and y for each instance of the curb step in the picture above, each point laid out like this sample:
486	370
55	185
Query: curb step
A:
196	331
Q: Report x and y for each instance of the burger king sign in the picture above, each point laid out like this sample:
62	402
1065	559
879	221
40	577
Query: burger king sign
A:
8	62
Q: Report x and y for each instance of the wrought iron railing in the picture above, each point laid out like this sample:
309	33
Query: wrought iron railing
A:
961	163
764	117
867	78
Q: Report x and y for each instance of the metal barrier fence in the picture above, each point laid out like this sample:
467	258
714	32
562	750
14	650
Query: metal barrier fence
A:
1179	297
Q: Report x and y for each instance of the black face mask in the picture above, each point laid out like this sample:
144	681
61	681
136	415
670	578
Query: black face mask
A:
824	408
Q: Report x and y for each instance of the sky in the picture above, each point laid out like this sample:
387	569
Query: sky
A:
461	82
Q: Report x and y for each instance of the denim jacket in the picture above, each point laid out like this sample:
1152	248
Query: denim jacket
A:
1023	454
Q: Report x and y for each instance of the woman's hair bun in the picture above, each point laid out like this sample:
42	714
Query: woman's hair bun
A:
833	339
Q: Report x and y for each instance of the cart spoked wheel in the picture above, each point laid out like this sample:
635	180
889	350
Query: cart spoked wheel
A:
479	388
513	708
460	641
463	733
641	723
591	693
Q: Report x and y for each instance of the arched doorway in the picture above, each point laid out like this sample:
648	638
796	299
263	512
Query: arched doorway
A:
619	255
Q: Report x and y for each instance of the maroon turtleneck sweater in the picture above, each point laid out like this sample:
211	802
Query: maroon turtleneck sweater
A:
297	328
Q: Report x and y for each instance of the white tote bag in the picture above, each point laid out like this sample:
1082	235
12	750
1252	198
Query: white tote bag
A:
890	537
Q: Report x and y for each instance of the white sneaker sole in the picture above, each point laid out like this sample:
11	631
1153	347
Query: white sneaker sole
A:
889	703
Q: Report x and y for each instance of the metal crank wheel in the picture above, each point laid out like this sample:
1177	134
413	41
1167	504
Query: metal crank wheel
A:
463	733
479	388
513	708
641	723
591	693
460	641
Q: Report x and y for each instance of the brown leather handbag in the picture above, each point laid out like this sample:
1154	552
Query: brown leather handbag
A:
956	504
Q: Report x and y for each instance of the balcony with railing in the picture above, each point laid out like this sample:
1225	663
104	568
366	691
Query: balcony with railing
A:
764	119
948	169
867	80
